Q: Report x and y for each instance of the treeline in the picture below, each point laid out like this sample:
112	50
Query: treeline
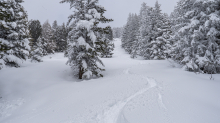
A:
22	39
117	32
190	35
46	39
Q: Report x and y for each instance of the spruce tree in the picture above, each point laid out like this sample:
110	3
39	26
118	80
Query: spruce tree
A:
130	32
36	53
197	41
140	41
54	26
13	33
81	52
147	31
35	30
60	38
47	37
157	44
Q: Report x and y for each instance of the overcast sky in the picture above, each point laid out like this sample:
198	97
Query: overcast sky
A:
116	9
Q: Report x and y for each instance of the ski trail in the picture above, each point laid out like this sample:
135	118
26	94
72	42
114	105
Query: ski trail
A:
160	101
127	71
111	115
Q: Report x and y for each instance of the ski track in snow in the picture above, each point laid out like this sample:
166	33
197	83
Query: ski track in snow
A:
160	101
6	106
112	114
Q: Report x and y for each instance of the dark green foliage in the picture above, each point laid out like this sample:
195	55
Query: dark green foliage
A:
105	45
110	34
35	30
60	38
104	48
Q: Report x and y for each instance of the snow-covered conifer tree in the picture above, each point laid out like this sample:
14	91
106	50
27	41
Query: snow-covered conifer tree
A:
47	37
138	46
36	53
60	37
124	36
35	30
105	44
130	32
81	52
14	43
198	44
157	44
144	20
54	26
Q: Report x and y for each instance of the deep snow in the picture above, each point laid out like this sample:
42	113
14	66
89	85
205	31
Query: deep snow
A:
132	91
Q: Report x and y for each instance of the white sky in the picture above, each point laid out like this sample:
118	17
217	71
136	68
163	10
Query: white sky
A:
116	9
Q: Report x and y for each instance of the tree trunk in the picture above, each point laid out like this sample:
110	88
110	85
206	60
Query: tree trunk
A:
80	73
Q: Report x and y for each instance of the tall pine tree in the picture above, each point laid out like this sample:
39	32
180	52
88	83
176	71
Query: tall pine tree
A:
47	37
60	38
35	30
81	53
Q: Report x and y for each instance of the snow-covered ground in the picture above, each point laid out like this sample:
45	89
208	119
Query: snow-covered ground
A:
132	91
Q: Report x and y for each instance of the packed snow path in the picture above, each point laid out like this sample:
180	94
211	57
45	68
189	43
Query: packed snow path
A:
132	91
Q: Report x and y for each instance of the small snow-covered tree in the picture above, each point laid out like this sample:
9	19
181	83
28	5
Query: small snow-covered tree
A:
81	52
36	53
136	46
14	43
44	46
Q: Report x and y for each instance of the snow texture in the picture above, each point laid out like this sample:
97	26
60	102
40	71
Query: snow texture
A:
85	24
132	91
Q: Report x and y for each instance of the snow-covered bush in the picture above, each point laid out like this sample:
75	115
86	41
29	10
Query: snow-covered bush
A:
36	53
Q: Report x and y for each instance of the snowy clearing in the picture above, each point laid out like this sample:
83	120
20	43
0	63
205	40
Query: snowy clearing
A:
132	91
